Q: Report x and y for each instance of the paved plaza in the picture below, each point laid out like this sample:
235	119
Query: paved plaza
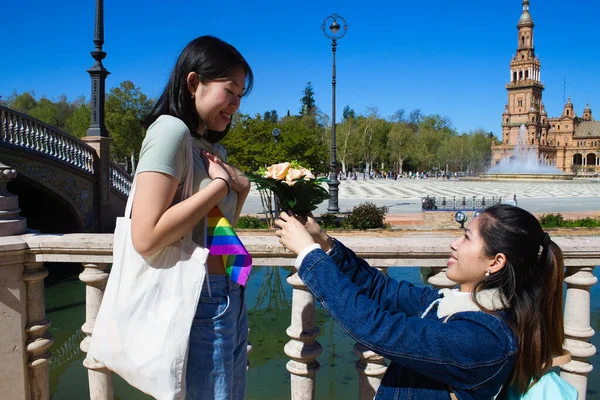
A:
403	196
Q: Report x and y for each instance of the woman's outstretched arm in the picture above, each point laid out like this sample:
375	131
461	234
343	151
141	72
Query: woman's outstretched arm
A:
385	291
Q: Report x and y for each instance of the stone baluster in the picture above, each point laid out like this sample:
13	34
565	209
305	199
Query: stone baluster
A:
27	134
438	278
21	132
370	366
62	146
12	130
79	157
577	327
38	338
303	348
100	378
50	141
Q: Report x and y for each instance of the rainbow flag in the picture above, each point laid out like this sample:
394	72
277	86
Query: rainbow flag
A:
221	240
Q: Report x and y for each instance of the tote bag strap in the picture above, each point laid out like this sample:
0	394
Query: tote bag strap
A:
129	205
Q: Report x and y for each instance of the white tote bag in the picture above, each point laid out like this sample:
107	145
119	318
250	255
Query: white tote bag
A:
143	326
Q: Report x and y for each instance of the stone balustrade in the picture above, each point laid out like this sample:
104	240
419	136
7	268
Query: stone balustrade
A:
23	324
23	131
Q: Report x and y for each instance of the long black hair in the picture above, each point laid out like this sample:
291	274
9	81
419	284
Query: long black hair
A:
211	59
531	283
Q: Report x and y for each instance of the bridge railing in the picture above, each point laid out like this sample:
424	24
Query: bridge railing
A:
23	131
120	180
24	257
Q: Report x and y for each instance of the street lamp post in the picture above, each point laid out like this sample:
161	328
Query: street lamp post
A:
334	34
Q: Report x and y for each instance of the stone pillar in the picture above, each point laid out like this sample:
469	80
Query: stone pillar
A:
11	223
577	327
438	278
102	170
14	376
303	348
370	366
100	378
38	338
14	380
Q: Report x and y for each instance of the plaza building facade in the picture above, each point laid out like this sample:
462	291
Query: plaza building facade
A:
569	142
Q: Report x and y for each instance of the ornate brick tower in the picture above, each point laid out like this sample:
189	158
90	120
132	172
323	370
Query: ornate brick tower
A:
524	89
525	105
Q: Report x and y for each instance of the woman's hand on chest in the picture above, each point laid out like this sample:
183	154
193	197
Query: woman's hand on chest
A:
238	181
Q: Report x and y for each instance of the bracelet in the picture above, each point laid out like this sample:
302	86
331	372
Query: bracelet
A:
227	183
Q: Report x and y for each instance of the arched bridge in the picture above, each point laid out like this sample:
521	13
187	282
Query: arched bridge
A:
59	177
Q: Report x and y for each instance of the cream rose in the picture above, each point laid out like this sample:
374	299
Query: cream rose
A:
292	174
278	171
307	174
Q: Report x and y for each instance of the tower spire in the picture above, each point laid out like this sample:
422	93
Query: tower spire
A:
525	20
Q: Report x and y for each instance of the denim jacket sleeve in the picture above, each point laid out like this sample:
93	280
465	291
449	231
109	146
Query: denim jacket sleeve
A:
385	291
466	352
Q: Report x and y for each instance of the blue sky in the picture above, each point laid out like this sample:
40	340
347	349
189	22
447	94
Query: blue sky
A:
446	57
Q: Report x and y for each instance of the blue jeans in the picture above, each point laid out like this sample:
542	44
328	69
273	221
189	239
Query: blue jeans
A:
217	358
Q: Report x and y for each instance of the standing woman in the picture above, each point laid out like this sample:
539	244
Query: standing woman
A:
204	91
501	329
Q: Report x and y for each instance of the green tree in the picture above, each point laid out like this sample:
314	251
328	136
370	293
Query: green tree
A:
45	111
347	140
250	144
373	133
22	102
303	140
126	105
433	131
400	140
271	116
308	105
348	113
79	121
481	144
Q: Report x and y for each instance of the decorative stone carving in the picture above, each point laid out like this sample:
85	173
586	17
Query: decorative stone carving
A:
303	348
578	331
38	338
11	223
370	366
100	378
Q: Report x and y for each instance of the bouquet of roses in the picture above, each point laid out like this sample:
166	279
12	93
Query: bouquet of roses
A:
296	188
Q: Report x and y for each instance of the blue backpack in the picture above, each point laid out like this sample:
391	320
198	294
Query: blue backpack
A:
550	385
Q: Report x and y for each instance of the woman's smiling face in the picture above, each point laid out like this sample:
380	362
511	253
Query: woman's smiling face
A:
217	101
468	263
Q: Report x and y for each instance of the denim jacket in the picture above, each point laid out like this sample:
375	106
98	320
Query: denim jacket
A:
473	352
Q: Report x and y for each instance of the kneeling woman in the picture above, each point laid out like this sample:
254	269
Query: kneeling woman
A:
500	328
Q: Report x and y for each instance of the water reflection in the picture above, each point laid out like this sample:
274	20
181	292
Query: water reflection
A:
269	303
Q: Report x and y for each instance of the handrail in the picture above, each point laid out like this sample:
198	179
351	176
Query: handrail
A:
120	180
22	131
581	250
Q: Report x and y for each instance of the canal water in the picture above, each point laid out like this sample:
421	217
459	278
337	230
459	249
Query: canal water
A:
269	303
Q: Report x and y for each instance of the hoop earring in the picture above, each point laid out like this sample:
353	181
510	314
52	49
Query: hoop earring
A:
487	273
